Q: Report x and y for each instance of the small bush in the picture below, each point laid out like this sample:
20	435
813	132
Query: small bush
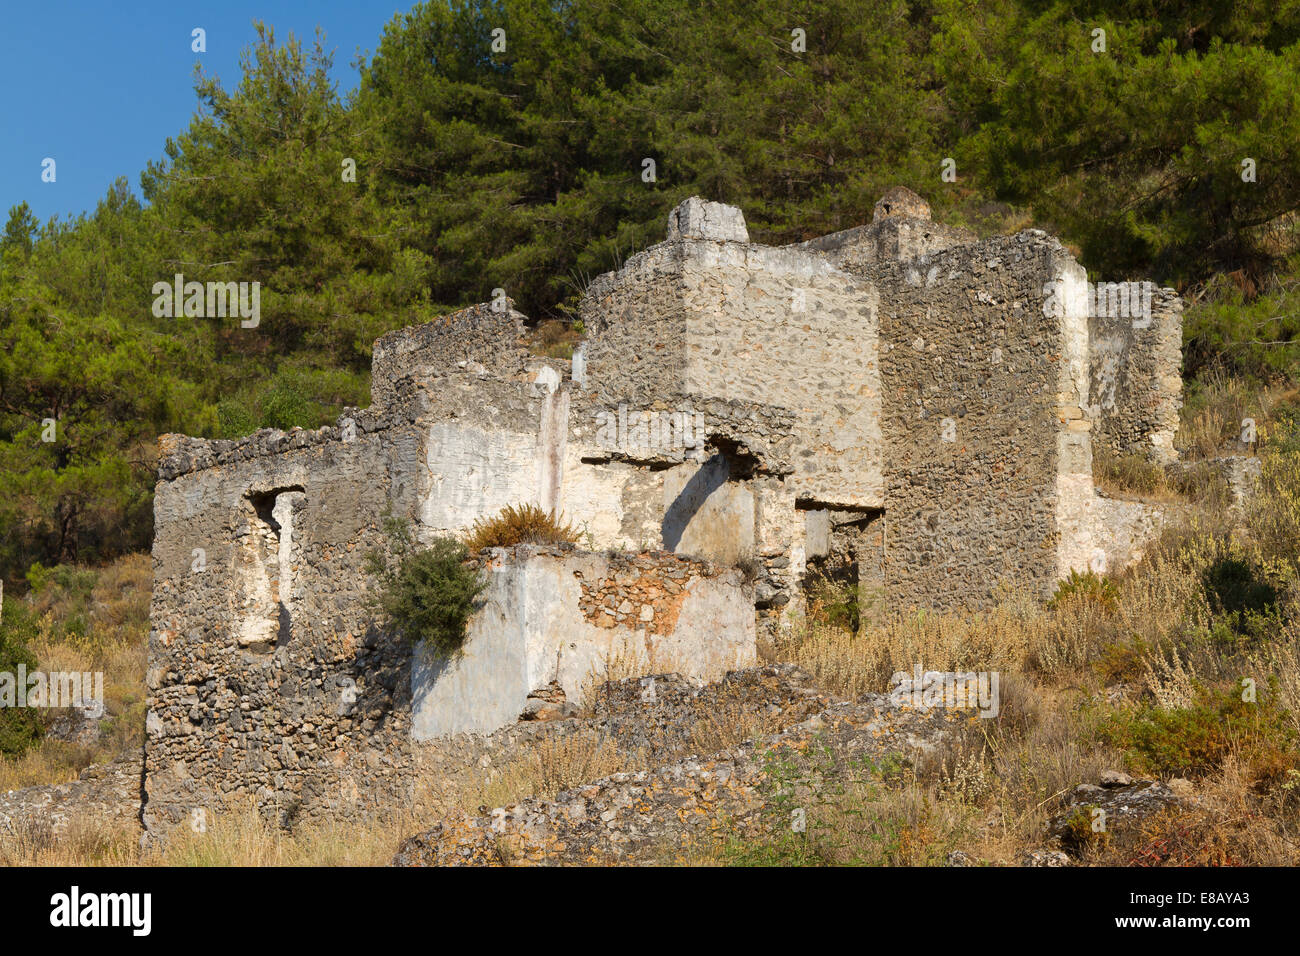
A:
1233	586
427	595
1130	473
20	727
1088	586
1196	739
835	603
1121	661
524	524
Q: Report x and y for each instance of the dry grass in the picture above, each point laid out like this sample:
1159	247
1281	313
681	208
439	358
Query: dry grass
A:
520	524
98	623
1214	410
80	843
853	664
49	762
1131	476
242	838
556	764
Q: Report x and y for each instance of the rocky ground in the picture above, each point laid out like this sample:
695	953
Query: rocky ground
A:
789	744
103	795
654	816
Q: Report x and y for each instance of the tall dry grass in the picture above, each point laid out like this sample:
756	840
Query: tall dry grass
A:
102	627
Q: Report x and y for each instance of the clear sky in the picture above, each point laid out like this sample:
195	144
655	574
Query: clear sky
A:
99	85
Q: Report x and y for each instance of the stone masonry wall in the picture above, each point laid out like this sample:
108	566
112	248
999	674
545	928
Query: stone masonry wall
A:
972	369
485	336
888	240
1136	379
703	318
266	678
570	617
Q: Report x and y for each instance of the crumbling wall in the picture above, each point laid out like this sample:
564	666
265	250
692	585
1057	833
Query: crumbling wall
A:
487	443
636	325
709	318
484	337
267	679
976	366
722	495
571	617
889	240
900	229
1136	384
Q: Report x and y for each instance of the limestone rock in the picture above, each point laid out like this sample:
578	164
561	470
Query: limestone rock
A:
548	703
901	202
696	218
1114	778
1122	803
1044	858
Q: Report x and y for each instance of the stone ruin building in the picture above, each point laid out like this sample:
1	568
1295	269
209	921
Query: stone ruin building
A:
900	406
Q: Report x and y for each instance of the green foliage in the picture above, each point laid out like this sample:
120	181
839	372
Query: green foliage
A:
70	588
1088	586
1122	661
1237	591
522	524
1134	152
523	170
1079	833
426	595
1195	739
20	727
835	603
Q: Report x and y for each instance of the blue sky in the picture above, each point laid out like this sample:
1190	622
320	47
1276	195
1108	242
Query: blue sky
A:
99	86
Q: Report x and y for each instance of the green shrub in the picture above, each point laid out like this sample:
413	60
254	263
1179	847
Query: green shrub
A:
287	404
1195	739
1244	603
20	727
835	603
525	524
66	591
1088	586
234	420
1121	661
428	595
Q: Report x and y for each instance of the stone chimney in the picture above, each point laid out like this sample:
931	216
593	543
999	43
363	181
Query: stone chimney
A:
901	203
697	219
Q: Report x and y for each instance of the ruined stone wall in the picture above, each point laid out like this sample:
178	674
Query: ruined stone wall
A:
636	324
699	318
887	240
977	375
726	497
786	329
485	336
1136	384
571	617
266	678
486	443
